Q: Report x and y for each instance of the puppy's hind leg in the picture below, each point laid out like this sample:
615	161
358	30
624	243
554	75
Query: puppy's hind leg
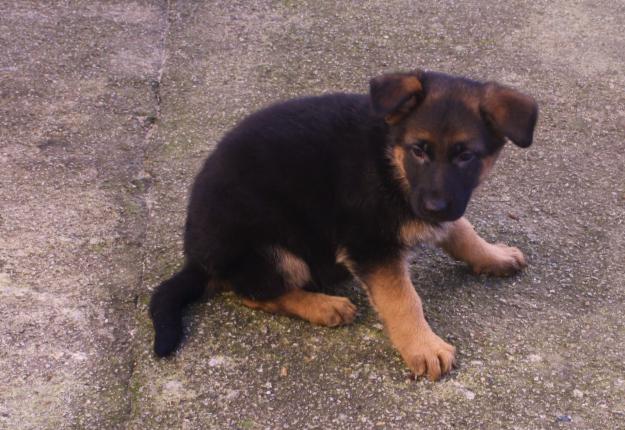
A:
317	308
279	283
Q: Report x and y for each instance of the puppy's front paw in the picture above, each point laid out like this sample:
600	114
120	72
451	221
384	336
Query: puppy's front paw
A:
430	356
500	260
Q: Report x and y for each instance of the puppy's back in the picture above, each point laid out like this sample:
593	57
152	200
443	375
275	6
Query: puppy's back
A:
276	168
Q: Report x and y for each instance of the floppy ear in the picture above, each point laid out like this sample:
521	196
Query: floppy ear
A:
394	95
509	112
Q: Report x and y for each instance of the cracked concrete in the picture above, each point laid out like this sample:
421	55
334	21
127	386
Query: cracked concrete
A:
107	111
75	101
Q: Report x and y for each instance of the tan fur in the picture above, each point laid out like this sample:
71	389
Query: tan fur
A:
413	135
463	243
412	84
396	116
494	101
416	231
392	294
294	270
396	155
487	165
409	85
461	136
317	308
342	257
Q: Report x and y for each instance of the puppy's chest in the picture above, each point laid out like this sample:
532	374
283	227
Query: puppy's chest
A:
416	231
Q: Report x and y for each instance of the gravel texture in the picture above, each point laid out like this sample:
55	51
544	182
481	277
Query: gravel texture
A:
107	110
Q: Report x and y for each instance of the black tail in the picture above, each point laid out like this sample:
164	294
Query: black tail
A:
168	301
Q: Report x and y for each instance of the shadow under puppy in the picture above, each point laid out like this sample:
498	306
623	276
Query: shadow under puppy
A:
306	186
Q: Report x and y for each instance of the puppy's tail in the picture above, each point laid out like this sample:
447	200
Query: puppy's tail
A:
168	302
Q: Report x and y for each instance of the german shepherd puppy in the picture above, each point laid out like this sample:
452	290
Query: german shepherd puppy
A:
302	188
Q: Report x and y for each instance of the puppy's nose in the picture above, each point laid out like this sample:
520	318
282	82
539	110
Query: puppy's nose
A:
434	204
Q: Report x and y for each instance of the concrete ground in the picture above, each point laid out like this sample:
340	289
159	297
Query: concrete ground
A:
107	110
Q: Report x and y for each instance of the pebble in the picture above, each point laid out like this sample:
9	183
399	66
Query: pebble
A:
4	279
216	361
173	386
470	395
232	394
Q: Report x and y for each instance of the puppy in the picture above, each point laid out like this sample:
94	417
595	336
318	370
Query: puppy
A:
306	187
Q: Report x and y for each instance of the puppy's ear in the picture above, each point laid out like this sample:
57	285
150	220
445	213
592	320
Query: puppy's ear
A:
394	95
509	112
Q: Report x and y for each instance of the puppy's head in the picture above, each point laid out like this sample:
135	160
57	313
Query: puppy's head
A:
445	134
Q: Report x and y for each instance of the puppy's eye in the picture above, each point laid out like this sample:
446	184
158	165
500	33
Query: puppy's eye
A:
419	150
465	156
